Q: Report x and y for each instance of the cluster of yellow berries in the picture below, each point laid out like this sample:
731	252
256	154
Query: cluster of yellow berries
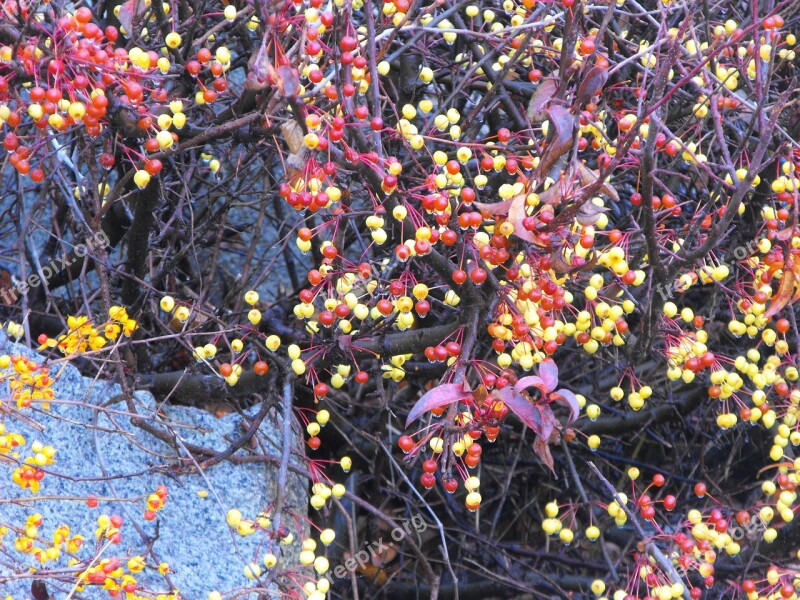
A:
83	335
616	511
10	441
321	419
28	381
29	475
62	540
308	557
635	398
110	574
181	313
552	525
321	492
246	527
701	531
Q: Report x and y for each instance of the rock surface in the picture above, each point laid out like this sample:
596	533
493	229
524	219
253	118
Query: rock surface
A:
100	452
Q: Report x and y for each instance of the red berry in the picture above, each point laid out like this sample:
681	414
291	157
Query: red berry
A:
430	466
700	489
260	368
459	276
405	443
478	276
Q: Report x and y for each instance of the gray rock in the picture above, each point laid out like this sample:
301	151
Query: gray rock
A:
100	452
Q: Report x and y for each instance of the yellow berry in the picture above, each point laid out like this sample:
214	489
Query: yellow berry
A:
173	40
141	178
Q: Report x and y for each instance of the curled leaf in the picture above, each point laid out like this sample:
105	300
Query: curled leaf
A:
531	381
39	590
441	395
570	399
783	295
588	177
589	213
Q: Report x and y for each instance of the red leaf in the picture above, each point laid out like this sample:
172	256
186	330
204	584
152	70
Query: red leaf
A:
441	395
526	411
570	399
550	424
548	371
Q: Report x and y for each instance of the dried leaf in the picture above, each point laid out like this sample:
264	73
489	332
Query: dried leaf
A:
558	263
569	399
541	96
497	209
588	177
784	294
293	134
524	409
130	12
39	590
480	394
593	82
553	195
288	82
590	213
374	575
516	215
542	450
559	140
441	395
260	71
796	296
